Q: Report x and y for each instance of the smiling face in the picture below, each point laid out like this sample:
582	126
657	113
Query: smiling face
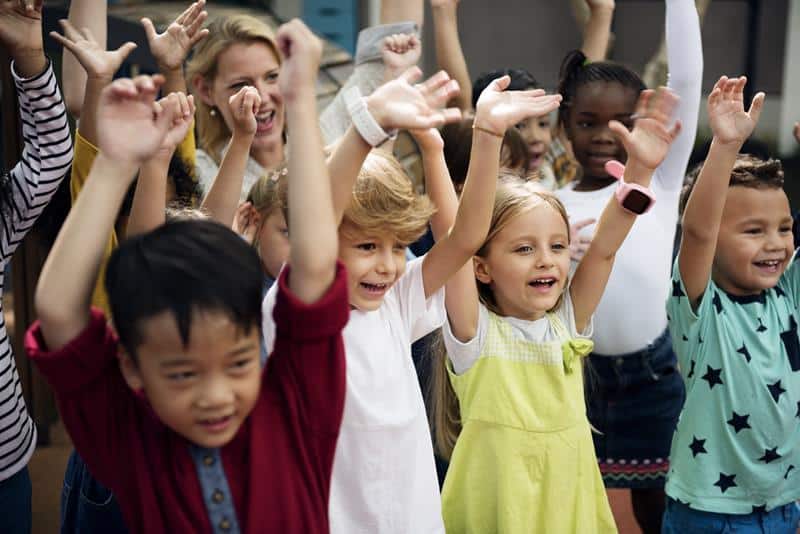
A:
255	64
536	133
527	263
373	262
755	241
205	390
593	143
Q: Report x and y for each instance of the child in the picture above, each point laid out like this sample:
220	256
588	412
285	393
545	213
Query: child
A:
24	193
635	368
733	320
384	477
185	426
523	461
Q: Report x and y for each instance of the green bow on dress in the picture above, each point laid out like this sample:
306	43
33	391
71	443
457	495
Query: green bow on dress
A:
574	349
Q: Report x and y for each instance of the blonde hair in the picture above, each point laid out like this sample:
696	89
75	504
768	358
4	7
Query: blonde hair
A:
514	196
212	132
266	196
384	201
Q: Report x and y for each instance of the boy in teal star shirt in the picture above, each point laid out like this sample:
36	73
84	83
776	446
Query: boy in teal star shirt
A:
732	314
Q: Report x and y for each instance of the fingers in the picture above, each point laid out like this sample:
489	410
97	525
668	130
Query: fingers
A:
149	29
123	88
619	130
413	74
756	106
500	84
125	50
575	228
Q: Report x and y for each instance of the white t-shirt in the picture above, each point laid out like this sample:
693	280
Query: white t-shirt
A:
384	475
632	313
206	170
464	355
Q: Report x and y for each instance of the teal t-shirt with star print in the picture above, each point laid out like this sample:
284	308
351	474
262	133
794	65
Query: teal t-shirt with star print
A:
736	448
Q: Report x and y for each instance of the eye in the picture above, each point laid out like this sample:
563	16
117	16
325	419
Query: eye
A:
237	85
521	125
785	229
559	247
545	124
366	246
241	365
272	77
399	247
753	231
584	124
182	376
524	249
284	232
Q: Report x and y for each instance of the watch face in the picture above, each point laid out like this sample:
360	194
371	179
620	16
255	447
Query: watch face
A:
636	202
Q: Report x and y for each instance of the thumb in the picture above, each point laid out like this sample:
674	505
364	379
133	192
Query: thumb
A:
125	50
580	225
149	29
500	84
756	106
620	131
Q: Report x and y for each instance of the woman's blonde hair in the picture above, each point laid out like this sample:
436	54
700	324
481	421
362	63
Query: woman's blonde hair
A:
384	201
514	196
212	132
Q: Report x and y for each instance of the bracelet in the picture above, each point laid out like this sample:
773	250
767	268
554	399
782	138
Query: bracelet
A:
363	121
487	130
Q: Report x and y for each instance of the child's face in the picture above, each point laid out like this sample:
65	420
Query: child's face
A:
593	143
374	263
535	131
273	244
527	264
205	390
755	241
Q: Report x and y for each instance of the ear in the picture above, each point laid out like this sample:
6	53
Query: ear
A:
481	268
203	89
130	371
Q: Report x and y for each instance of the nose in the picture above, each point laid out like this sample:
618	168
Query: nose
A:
544	258
775	241
215	393
268	92
386	263
604	135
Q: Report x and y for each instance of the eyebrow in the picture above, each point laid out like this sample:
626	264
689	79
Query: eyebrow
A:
592	114
755	220
179	362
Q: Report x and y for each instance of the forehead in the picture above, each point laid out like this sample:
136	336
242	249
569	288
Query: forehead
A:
351	233
747	203
542	221
606	98
243	59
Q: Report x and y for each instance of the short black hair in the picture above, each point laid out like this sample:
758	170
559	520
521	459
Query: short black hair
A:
521	80
183	267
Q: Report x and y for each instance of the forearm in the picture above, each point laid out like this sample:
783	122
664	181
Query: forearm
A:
449	54
439	188
91	99
226	189
64	291
149	198
312	223
597	32
90	14
343	168
402	10
174	80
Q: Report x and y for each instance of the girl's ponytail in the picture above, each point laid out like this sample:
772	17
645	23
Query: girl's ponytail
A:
444	413
568	77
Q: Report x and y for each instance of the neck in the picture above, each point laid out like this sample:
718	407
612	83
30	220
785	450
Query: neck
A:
594	183
270	156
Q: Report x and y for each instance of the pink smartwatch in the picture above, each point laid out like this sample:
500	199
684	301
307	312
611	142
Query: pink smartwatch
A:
633	198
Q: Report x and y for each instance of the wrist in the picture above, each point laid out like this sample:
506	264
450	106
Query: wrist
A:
375	107
241	138
636	172
734	145
29	62
302	93
170	71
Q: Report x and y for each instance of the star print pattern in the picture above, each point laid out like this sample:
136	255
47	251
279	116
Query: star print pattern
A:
691	374
676	289
744	352
776	390
712	376
698	446
761	328
770	455
792	345
739	422
725	482
717	302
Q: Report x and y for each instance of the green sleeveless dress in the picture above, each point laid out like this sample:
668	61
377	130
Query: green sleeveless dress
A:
524	461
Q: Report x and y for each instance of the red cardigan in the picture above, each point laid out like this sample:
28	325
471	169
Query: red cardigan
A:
278	465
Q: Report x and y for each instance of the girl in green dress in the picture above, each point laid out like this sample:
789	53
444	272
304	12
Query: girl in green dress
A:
509	407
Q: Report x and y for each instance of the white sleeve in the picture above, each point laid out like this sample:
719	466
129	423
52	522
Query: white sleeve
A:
566	312
267	321
685	60
463	355
205	168
420	316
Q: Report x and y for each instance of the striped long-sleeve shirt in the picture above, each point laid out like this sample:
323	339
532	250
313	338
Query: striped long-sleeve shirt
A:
46	157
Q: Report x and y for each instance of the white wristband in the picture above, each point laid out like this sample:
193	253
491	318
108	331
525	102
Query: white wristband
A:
363	120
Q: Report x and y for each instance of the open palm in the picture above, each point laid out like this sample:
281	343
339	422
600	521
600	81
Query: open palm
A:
21	27
172	46
93	57
400	105
498	109
729	120
649	141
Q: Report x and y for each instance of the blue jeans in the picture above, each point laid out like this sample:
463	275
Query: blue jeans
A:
680	519
15	504
86	505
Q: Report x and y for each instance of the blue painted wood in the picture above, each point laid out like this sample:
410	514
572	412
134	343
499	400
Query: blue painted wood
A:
336	20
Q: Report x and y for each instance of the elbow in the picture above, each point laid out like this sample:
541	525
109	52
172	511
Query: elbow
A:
74	104
51	310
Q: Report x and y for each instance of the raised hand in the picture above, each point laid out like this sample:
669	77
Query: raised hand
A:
498	109
400	105
244	108
428	140
21	25
302	52
172	46
98	62
181	108
729	121
130	125
400	52
579	244
648	143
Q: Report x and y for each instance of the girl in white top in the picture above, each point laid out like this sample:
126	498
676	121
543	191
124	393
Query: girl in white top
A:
639	387
384	478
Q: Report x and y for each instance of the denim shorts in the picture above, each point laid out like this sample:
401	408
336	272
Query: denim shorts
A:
680	519
633	401
15	503
86	505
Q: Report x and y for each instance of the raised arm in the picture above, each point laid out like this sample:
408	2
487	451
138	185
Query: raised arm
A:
313	240
647	146
223	195
732	125
497	110
91	14
130	131
395	105
449	55
149	198
685	57
597	32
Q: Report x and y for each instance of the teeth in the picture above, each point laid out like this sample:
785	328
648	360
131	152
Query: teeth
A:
264	118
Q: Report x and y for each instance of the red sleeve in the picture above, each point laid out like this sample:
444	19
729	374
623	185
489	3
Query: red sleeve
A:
308	363
94	401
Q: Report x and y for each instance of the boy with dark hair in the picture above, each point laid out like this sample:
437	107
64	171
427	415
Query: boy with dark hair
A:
184	427
733	319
